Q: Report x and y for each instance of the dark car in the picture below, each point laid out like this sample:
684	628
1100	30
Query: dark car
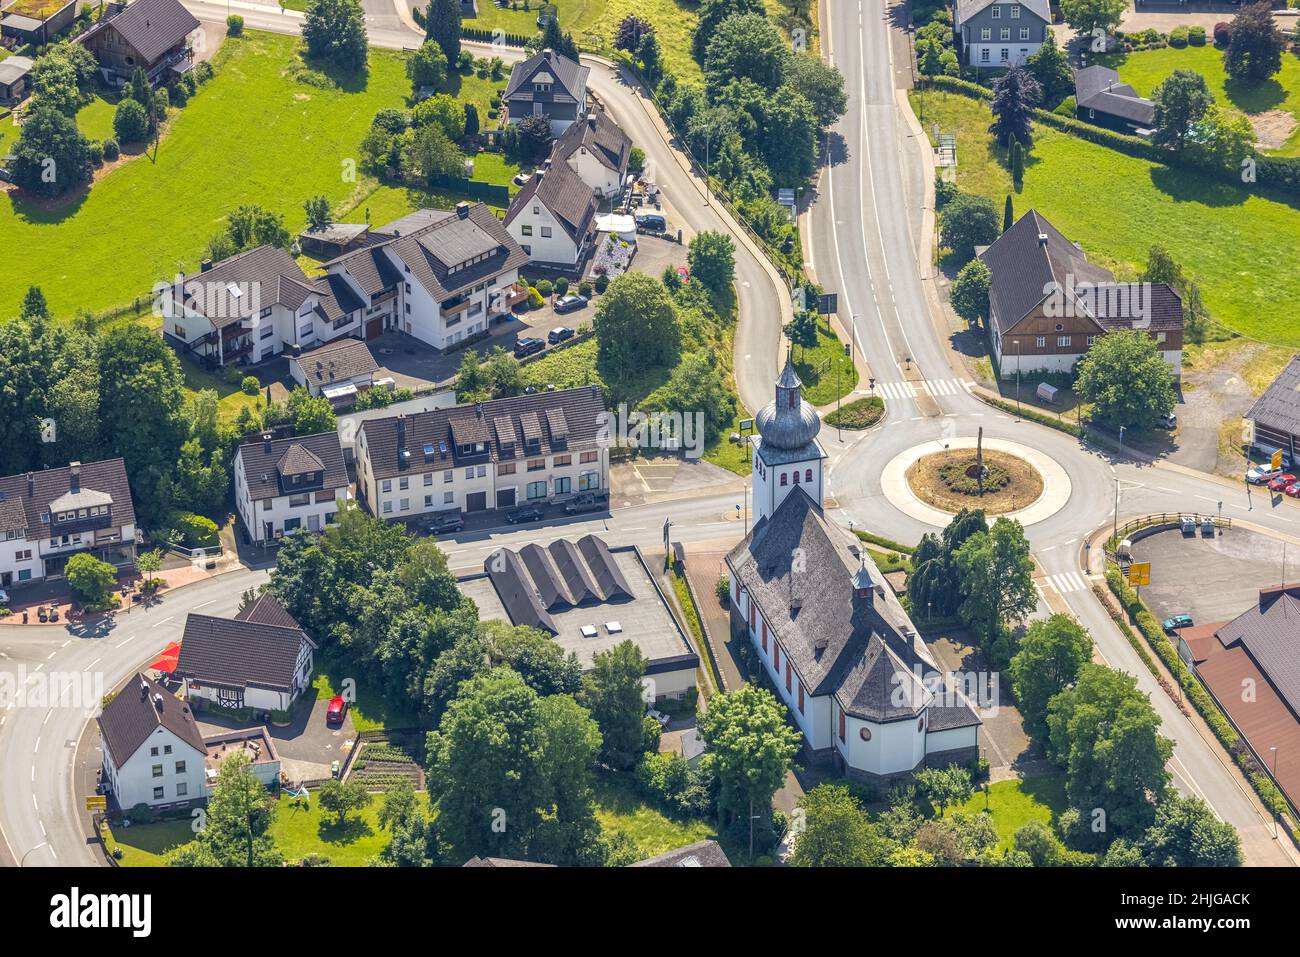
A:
1177	621
584	502
569	303
527	346
559	334
529	513
6	176
444	522
337	709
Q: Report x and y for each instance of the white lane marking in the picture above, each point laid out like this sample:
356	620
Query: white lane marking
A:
163	622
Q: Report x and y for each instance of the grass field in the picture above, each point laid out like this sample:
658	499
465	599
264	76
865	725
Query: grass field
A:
620	809
825	370
251	135
1144	71
1017	802
1235	242
95	119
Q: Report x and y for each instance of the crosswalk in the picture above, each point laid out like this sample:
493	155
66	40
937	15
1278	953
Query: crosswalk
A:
1065	582
931	387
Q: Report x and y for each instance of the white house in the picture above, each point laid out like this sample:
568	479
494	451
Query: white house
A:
337	370
259	659
597	149
840	651
1001	33
153	752
48	516
285	484
441	276
535	448
553	217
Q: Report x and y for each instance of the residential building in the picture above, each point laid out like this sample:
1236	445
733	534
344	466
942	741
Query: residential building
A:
589	598
547	84
152	35
442	276
15	79
597	149
534	448
1273	421
1048	304
861	684
153	751
700	854
36	22
48	516
255	305
282	485
260	659
1102	99
1001	33
553	218
338	370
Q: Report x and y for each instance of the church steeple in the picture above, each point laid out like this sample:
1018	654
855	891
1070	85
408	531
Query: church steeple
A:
788	422
786	453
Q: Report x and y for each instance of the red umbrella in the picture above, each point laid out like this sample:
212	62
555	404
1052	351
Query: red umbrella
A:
167	660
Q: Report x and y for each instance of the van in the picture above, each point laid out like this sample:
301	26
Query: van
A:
1046	392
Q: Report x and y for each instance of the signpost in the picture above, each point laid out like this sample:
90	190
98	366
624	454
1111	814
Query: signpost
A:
1276	460
828	303
1139	574
96	802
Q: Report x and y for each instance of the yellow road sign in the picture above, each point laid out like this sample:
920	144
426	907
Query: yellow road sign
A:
96	802
1277	459
1139	573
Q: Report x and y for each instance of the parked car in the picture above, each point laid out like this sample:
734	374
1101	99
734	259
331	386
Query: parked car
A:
1177	621
334	769
659	716
527	346
443	523
1169	422
1281	482
584	502
337	709
569	303
1292	490
521	179
4	598
559	334
6	176
1262	474
529	513
651	222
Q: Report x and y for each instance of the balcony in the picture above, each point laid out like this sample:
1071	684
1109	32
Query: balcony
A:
76	525
235	348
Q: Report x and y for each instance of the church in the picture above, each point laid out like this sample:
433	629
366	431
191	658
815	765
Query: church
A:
860	682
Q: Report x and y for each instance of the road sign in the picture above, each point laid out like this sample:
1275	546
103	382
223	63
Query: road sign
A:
1139	573
96	802
828	303
1277	459
746	425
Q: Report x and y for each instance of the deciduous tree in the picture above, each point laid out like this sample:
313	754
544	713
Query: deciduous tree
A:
1127	381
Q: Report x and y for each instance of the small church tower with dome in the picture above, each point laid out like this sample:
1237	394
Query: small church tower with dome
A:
786	453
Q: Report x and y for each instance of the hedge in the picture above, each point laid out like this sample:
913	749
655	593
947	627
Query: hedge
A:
491	36
1033	415
883	542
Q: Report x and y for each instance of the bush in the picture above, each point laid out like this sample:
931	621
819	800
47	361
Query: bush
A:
1196	35
602	283
234	25
722	589
141	814
111	150
249	385
192	531
1067	107
545	288
1222	33
1178	37
859	414
584	289
95	151
535	300
131	122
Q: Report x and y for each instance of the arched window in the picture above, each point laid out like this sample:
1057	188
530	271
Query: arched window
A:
796	476
784	480
808	475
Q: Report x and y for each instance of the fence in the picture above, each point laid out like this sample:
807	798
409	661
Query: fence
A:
491	193
1158	521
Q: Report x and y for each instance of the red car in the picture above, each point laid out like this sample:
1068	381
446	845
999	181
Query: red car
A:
337	709
1293	490
1281	482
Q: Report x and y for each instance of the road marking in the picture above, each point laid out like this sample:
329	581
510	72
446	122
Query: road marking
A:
37	749
50	655
1066	582
205	604
93	663
163	622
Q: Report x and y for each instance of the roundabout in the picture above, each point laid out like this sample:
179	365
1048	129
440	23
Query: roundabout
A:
1034	486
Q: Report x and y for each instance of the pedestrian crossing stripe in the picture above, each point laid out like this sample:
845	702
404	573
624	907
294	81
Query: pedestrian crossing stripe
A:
1067	582
932	387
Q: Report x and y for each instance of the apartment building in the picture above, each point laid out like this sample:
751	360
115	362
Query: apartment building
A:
282	485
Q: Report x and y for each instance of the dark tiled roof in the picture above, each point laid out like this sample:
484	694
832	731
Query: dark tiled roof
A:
270	271
1098	88
137	711
570	79
601	137
968	8
152	27
262	461
266	610
19	510
435	431
501	862
1279	407
340	360
563	192
239	653
299	460
699	854
1270	632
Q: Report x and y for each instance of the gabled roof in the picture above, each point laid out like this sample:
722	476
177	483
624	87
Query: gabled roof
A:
1270	631
267	610
239	653
598	135
140	709
101	483
262	461
152	27
337	361
568	79
968	8
1098	88
561	191
699	854
1279	407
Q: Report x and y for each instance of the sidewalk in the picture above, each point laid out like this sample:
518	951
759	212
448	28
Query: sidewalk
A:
703	566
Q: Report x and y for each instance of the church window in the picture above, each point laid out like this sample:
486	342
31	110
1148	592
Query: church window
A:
807	476
784	479
787	676
841	725
794	399
801	697
765	637
796	476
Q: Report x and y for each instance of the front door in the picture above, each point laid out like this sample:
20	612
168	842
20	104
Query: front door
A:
476	501
505	498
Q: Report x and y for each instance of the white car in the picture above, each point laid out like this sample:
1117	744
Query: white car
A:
4	598
659	716
1263	474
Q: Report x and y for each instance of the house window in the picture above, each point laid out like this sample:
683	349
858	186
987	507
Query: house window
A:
586	457
546	232
537	490
784	483
984	54
588	481
563	460
404	483
1006	54
482	471
1015	12
405	504
536	465
807	475
428	501
796	476
180	767
1091	340
1062	341
157	794
526	230
428	478
167	749
1004	34
986	33
996	12
447	476
469	472
506	468
448	498
562	485
387	485
153	752
157	771
1040	342
182	789
1024	34
388	507
1160	337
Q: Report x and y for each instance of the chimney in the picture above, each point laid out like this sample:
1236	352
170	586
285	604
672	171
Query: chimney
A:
205	265
402	455
144	690
462	210
31	485
74	476
266	442
1042	240
591	120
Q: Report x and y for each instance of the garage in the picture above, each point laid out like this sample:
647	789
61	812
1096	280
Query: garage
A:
505	498
476	502
375	328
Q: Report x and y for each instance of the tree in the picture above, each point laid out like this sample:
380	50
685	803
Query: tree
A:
1015	94
970	291
1127	380
801	330
650	57
612	691
535	137
636	327
945	787
318	212
442	26
55	82
239	815
746	46
532	654
753	746
1225	139
311	415
997	580
1051	68
472	125
711	258
1036	840
51	155
631	30
1089	16
968	221
148	564
130	122
820	84
1105	734
341	798
1009	209
430	154
445	111
698	384
556	40
250	226
1048	661
836	831
1181	101
91	580
930	58
1186	833
1161	267
334	32
712	13
427	66
1017	170
1255	45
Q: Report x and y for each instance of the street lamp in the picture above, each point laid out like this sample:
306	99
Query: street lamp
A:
1220	518
1121	440
1275	812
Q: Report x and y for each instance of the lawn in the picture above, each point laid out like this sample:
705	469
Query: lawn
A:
1235	242
1015	803
620	809
252	135
369	711
229	397
1144	71
143	845
95	119
825	370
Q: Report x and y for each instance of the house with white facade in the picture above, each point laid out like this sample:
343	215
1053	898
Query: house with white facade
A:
282	485
534	449
442	276
597	149
1001	33
338	370
153	751
48	516
260	659
838	648
547	84
553	217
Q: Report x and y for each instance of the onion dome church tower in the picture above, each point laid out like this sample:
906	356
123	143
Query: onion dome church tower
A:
786	453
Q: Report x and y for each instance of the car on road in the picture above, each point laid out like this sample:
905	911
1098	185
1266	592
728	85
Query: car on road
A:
1171	625
659	716
559	334
584	502
529	513
1281	482
338	707
1262	474
527	346
569	303
443	523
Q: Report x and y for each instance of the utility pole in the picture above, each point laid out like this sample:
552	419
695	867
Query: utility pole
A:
1017	378
979	460
1115	537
